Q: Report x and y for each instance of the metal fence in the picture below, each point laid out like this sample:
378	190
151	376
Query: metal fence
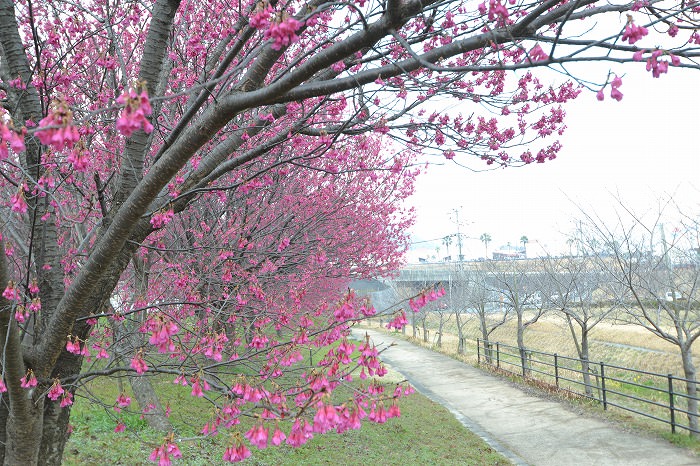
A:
661	397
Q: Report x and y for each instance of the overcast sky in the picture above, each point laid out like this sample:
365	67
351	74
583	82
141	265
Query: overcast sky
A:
641	148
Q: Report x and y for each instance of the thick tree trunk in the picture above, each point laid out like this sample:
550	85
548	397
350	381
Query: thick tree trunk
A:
691	387
24	431
55	433
4	413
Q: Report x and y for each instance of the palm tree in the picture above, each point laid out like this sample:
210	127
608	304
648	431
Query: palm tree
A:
486	239
524	240
570	242
447	240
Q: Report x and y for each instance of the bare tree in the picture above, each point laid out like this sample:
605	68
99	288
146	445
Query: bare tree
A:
662	275
585	295
518	285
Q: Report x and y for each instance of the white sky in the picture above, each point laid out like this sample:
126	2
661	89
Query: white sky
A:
642	147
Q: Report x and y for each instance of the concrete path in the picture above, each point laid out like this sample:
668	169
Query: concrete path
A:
526	429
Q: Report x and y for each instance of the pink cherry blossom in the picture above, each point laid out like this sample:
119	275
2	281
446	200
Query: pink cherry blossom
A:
633	33
123	401
536	54
162	218
55	391
161	334
33	286
29	380
133	117
326	419
9	137
18	202
278	437
138	364
260	19
283	33
66	399
258	435
163	454
56	129
11	292
237	453
615	91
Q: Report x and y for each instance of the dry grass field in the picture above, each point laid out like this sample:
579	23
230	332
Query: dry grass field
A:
613	343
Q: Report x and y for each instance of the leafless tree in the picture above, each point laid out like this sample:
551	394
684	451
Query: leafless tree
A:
662	275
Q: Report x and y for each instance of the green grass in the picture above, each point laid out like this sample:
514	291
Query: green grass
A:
425	433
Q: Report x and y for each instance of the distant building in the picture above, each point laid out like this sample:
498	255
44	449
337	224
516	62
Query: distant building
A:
509	252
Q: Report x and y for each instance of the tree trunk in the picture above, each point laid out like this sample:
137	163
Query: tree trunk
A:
24	432
425	331
584	356
125	346
150	404
4	413
439	337
55	433
691	387
460	335
485	335
521	345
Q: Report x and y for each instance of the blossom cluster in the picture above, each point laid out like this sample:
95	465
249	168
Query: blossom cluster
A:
137	107
164	452
633	33
10	137
56	129
656	66
283	33
614	91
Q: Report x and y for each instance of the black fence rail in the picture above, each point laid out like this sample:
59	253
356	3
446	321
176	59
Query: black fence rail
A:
661	397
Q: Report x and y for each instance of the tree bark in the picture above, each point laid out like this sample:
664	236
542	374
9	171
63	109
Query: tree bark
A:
585	364
24	432
485	336
521	344
691	387
460	334
125	346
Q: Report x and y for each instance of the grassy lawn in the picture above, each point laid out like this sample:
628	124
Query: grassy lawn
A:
425	433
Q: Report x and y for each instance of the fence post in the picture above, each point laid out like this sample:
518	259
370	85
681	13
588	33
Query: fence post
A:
478	351
498	355
602	384
556	369
670	403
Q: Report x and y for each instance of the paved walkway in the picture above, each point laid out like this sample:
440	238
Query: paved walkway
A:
527	429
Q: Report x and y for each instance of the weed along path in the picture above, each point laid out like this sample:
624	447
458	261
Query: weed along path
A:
527	429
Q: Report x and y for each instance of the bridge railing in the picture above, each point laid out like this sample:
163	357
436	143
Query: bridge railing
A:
660	397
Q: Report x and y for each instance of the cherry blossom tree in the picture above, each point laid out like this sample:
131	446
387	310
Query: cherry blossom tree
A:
174	166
